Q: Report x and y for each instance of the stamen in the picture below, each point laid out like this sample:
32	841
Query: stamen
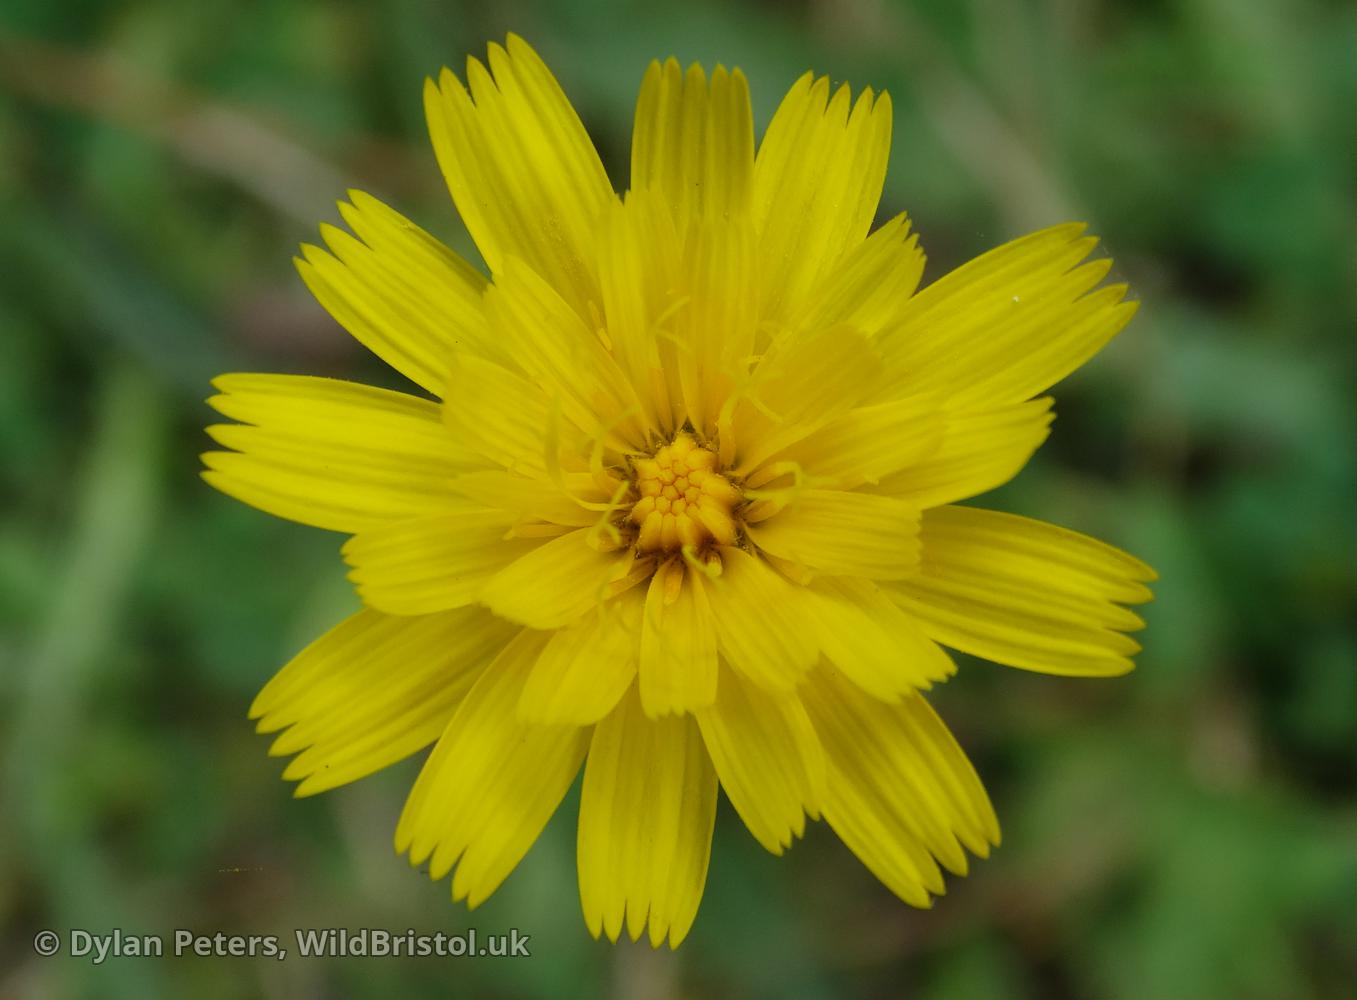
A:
604	523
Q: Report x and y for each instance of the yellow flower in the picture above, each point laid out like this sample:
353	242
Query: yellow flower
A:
681	508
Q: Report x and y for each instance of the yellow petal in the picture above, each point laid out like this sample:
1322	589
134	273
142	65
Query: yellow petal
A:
1010	323
373	690
563	356
491	783
979	450
899	791
646	816
525	497
396	289
1025	593
693	142
868	287
432	273
768	758
522	171
844	534
800	386
715	326
876	645
678	643
586	668
331	454
758	624
427	564
868	443
639	269
498	414
555	583
817	182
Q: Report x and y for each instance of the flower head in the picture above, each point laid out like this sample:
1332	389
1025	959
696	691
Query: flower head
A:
679	504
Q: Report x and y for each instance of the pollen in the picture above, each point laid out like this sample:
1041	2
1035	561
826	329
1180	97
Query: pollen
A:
682	498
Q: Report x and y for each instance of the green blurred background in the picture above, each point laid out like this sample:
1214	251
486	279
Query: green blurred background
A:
1188	831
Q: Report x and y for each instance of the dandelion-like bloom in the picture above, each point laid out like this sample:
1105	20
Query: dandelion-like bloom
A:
681	510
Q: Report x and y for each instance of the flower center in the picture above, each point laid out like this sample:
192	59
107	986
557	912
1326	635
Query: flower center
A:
683	499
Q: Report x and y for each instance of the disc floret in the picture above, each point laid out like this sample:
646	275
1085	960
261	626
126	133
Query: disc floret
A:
683	499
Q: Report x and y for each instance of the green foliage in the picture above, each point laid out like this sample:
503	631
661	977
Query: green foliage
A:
1188	831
